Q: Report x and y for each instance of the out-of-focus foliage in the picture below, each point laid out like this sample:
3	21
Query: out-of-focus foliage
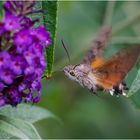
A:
18	122
18	128
27	113
85	115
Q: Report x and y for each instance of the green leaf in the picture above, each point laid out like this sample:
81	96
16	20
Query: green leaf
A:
4	135
135	100
49	19
18	128
1	10
27	112
135	85
133	93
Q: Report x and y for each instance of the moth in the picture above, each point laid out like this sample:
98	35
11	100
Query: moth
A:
95	73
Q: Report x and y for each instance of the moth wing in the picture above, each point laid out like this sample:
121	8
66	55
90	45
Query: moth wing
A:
98	45
112	72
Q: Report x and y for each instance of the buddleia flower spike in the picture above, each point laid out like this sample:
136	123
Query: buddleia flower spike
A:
22	61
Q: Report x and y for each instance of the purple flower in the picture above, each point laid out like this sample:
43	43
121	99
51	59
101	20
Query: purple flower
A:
11	22
6	75
16	65
42	34
28	55
29	97
35	85
2	102
42	62
22	87
29	70
1	86
14	96
4	59
37	98
23	37
37	49
22	61
21	48
1	28
48	42
38	72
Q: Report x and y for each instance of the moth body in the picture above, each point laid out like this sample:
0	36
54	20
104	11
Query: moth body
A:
87	77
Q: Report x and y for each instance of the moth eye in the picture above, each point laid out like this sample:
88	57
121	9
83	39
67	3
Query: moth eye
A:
72	73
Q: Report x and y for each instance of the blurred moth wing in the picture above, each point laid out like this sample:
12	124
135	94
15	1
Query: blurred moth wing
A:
98	46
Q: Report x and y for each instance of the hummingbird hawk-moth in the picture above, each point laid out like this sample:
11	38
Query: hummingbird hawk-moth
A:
95	73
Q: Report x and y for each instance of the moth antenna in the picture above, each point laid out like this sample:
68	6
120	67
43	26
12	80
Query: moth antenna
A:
65	49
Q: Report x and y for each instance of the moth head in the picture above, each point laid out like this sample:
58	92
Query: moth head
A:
74	72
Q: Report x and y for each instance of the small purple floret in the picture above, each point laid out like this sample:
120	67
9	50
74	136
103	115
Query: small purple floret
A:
22	61
6	76
4	59
23	37
11	22
1	86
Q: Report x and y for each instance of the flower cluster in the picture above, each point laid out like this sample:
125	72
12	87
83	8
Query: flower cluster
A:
22	60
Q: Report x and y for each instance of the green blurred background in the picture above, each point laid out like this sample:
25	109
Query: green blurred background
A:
84	115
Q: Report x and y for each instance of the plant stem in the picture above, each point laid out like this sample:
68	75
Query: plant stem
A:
109	12
125	40
124	24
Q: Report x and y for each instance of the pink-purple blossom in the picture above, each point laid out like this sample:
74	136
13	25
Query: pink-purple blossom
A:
22	61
